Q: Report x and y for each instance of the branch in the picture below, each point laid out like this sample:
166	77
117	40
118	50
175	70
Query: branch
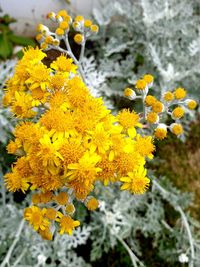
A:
185	221
133	257
9	253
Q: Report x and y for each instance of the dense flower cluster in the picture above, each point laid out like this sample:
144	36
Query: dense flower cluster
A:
84	28
172	103
66	141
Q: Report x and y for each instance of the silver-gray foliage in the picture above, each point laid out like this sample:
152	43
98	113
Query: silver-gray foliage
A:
160	37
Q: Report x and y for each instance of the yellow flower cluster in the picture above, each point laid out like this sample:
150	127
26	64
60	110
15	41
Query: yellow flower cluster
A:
154	109
72	142
64	21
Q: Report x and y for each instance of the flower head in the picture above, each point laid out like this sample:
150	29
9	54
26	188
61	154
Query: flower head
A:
161	131
178	113
176	128
168	96
180	93
136	182
67	224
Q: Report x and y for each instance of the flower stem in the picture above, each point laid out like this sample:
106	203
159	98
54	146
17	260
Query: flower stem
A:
17	237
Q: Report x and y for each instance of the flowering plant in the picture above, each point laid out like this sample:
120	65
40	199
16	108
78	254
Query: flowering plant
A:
67	140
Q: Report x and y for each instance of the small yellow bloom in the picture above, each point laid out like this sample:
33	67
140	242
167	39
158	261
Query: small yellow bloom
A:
178	113
176	128
51	15
79	38
36	217
161	131
136	182
36	199
79	18
64	25
150	100
51	214
191	104
152	117
59	31
46	234
180	93
149	79
70	209
168	96
62	198
129	120
129	93
141	85
67	224
91	203
62	13
39	37
158	107
49	39
87	23
94	28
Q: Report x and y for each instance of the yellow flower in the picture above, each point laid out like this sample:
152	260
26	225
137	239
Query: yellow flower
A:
168	96
79	38
92	203
87	23
129	120
180	93
49	153
158	107
141	85
15	182
176	128
63	13
67	224
79	18
70	209
22	105
39	77
36	217
191	104
64	25
46	197
57	119
85	170
51	214
51	15
94	28
178	113
152	117
149	79
62	198
99	139
36	199
128	92
72	150
150	100
58	81
33	55
144	145
62	63
136	182
59	31
46	234
127	162
161	131
108	173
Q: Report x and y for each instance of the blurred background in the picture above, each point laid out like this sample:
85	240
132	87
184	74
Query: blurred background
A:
160	228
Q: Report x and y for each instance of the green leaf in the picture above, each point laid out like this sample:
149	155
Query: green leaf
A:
21	40
6	47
